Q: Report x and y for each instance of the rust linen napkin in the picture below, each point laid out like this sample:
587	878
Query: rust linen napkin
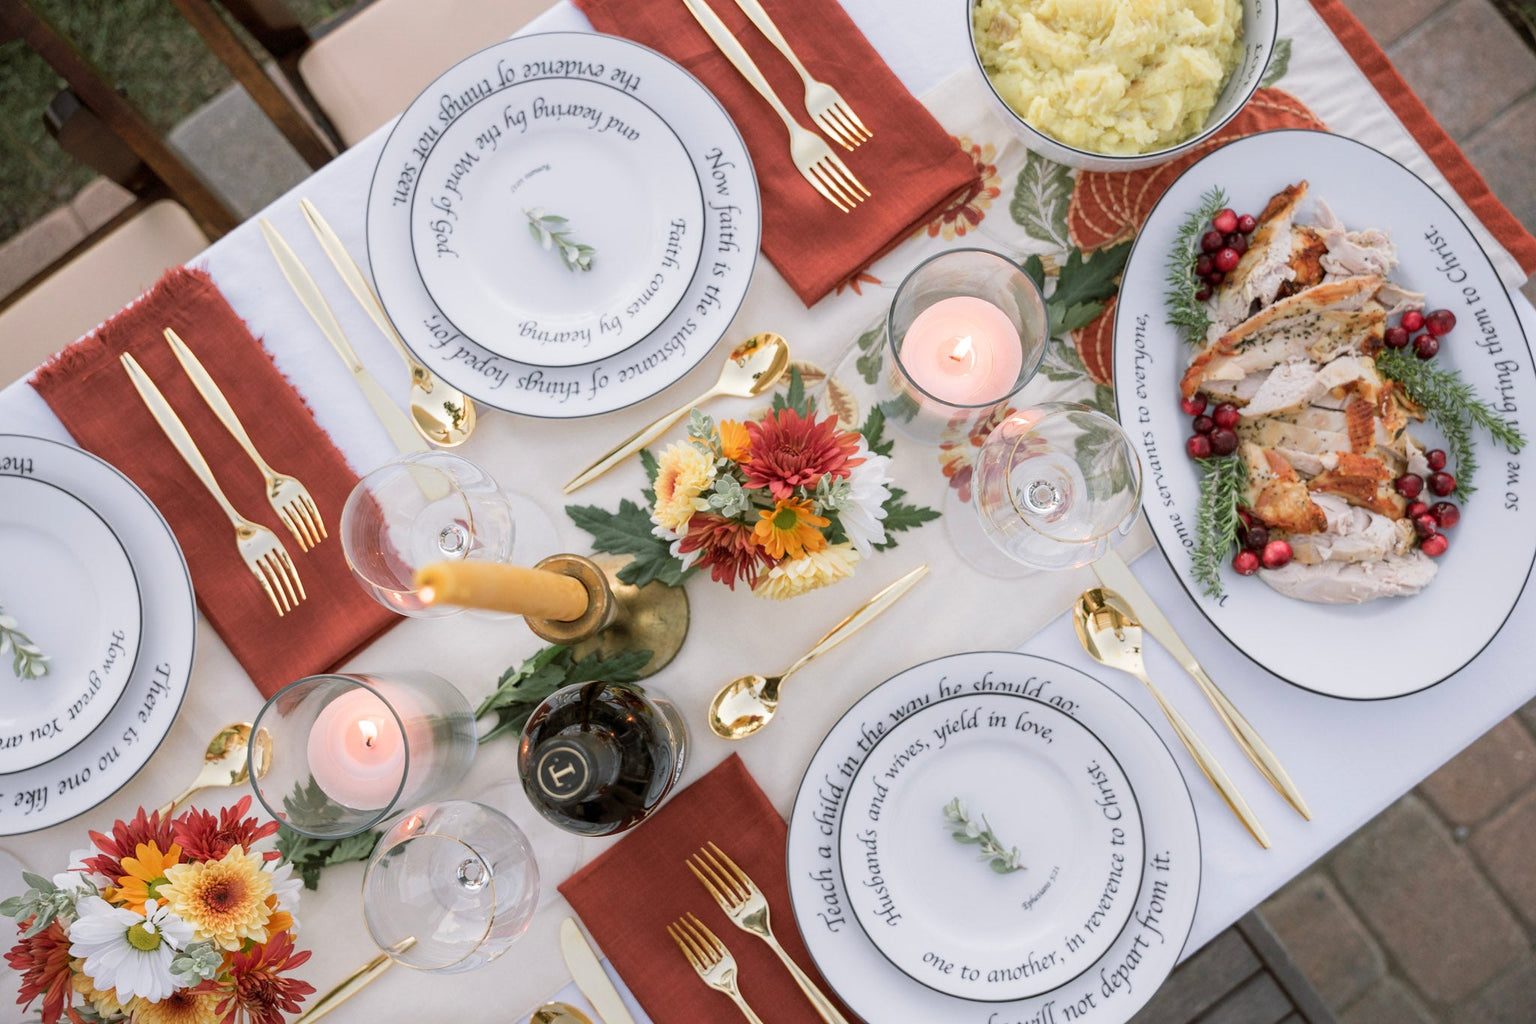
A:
629	895
89	391
912	166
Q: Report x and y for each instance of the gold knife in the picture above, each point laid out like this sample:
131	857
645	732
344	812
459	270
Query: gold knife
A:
1116	575
589	975
390	415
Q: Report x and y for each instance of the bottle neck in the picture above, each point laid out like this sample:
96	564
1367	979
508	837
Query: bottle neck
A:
570	767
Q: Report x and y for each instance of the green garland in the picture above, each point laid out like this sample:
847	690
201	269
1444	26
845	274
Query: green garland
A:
1223	487
1186	313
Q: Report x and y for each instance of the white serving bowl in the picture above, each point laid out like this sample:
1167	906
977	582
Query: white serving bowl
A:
1261	24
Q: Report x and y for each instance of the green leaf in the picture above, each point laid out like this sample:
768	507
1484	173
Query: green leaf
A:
1090	280
309	855
794	398
871	355
628	532
1041	195
1279	63
1075	317
874	432
520	690
1035	269
650	465
621	668
901	516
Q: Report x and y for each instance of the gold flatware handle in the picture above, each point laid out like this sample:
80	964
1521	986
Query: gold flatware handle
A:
737	54
817	997
169	809
176	432
1115	574
215	398
359	980
390	415
765	24
867	613
1214	772
633	443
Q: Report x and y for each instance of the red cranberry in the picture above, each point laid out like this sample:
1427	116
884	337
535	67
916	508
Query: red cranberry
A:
1194	405
1226	415
1204	424
1446	515
1255	537
1425	346
1237	243
1441	483
1212	240
1425	525
1277	554
1416	509
1396	337
1246	517
1223	441
1409	485
1246	563
1215	278
1225	221
1412	320
1226	260
1440	322
1246	223
1434	546
1436	459
1203	264
1198	446
1202	293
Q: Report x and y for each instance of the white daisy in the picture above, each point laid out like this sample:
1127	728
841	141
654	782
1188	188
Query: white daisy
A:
863	511
288	888
77	878
126	952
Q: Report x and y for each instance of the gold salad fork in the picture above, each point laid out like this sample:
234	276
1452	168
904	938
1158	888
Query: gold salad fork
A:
747	907
812	157
263	553
711	959
288	498
825	105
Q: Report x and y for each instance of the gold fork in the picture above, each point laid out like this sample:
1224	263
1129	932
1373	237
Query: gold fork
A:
747	907
288	498
263	553
812	157
825	105
711	959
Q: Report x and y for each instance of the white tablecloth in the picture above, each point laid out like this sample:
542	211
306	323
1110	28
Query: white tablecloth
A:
1351	759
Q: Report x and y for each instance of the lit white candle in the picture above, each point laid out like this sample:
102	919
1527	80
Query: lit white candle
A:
964	351
357	752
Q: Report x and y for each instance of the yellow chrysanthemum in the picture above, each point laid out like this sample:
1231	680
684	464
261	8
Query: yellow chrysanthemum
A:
225	901
735	442
181	1007
145	873
816	569
790	529
684	472
105	1004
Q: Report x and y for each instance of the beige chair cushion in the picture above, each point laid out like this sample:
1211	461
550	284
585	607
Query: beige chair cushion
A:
95	284
369	68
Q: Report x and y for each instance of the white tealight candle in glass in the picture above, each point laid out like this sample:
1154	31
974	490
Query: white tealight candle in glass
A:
963	350
357	752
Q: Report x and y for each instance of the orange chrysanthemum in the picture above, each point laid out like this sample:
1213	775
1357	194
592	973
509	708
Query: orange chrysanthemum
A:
42	960
790	529
184	1006
145	873
735	442
225	900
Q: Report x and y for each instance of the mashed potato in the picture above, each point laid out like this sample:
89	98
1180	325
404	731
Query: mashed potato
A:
1110	76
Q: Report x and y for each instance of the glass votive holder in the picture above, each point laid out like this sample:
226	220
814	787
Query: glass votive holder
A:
965	332
348	751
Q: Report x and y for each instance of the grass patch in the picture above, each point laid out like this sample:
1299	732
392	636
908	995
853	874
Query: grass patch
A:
141	46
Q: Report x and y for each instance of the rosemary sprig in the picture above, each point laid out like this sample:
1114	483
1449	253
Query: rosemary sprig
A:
27	659
1222	489
1000	858
1185	313
1455	408
546	229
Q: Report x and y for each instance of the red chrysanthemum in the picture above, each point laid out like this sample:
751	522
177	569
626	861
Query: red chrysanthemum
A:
788	452
42	960
202	836
255	990
125	840
725	548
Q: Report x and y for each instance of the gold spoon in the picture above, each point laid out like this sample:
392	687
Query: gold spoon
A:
558	1013
754	366
225	762
441	414
745	705
1111	635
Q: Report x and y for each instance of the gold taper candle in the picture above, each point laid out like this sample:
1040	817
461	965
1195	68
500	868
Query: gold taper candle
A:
534	593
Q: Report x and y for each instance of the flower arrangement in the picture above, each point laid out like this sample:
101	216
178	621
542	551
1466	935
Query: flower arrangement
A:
785	504
164	921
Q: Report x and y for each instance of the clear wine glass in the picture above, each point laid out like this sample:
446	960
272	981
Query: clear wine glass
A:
1054	487
419	509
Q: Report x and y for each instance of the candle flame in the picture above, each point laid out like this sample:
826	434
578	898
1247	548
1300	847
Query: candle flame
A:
369	730
962	348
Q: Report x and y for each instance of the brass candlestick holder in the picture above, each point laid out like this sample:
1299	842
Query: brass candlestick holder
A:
620	617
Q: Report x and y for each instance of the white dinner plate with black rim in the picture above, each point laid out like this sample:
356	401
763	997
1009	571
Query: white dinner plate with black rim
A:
66	578
732	227
1120	981
1391	646
104	762
619	180
1049	790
